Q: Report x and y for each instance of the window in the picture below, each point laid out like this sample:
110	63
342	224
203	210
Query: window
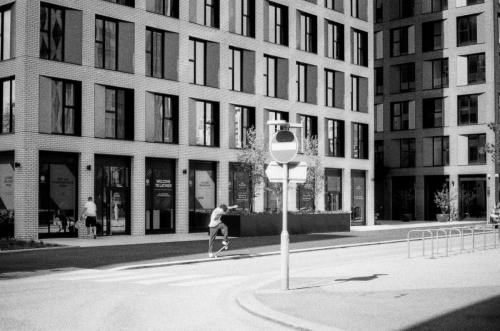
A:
197	61
407	153
165	116
359	136
403	41
359	94
335	138
271	75
106	45
65	102
379	45
244	17
379	153
115	113
154	53
301	82
440	73
477	143
359	47
335	41
467	30
274	115
5	33
334	88
309	130
236	69
476	68
212	13
8	102
244	119
433	113
307	41
379	81
406	8
278	24
130	3
437	151
51	32
337	5
207	123
461	3
434	6
467	109
359	9
379	117
407	77
163	7
379	11
432	36
402	115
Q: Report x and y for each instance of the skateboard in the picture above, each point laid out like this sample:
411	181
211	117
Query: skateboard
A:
221	249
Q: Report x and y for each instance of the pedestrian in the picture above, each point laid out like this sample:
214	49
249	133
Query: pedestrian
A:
216	224
89	213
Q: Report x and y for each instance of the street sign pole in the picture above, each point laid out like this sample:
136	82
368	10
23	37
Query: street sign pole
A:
284	233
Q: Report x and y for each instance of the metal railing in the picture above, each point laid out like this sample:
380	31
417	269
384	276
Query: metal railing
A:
453	232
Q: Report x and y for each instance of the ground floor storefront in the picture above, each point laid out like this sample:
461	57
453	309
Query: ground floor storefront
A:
138	195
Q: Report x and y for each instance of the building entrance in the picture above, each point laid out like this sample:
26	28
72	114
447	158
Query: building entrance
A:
472	196
358	184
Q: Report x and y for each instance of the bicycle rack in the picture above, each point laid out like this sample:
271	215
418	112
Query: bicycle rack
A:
423	237
437	240
449	232
462	237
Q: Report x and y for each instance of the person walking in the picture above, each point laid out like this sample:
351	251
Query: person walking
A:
216	224
90	214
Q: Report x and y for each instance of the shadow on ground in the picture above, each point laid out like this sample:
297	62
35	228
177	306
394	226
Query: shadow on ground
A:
484	315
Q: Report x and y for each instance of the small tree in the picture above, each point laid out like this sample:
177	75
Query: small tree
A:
442	199
315	171
252	161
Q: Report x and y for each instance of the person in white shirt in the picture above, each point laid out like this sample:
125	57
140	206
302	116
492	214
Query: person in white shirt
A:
216	224
89	214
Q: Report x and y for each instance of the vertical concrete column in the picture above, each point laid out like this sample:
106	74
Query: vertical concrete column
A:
86	188
490	194
138	196
346	190
320	197
388	198
258	200
454	191
222	193
182	196
26	194
370	197
419	198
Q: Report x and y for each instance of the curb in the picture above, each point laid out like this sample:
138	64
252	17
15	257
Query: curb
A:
7	251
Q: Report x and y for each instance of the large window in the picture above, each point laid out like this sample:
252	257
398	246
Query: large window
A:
359	47
307	41
337	5
106	44
335	138
477	144
163	7
403	41
236	69
433	113
379	81
334	88
51	33
407	77
359	9
333	189
432	36
166	118
275	115
359	137
278	24
244	17
467	30
437	151
207	123
335	40
309	129
402	115
5	33
359	94
433	6
301	82
407	153
406	8
211	13
197	61
440	73
155	46
476	68
8	99
271	75
244	119
115	113
467	109
65	107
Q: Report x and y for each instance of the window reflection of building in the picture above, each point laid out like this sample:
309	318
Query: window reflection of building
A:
160	195
333	189
239	187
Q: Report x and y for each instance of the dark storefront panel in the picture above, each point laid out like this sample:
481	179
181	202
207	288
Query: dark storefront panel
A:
358	184
239	187
202	194
403	198
58	194
112	194
160	196
304	198
472	196
333	189
6	194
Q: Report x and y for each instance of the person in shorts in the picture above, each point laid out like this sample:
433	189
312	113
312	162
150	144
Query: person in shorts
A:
90	214
216	224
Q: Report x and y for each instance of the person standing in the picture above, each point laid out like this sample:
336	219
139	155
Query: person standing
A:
216	224
90	215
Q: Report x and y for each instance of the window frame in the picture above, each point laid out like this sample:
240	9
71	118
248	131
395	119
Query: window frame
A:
76	107
471	109
335	44
335	137
151	72
302	82
409	152
403	115
481	157
479	64
169	11
103	42
360	139
12	104
116	113
443	72
236	67
194	60
469	29
426	117
50	8
5	43
279	20
266	74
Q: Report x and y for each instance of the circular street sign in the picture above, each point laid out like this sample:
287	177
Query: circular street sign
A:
284	146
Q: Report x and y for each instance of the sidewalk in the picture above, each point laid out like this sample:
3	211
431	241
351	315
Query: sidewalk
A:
447	293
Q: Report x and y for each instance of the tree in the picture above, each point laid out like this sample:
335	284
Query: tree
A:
252	161
315	171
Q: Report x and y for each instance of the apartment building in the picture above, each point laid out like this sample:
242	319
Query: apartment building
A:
436	103
144	106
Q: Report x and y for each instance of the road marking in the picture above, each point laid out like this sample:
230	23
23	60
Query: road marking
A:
168	279
131	277
208	281
101	274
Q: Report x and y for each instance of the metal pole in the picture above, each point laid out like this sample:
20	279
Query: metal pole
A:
284	232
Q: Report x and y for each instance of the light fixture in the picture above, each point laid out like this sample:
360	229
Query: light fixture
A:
184	171
17	164
89	167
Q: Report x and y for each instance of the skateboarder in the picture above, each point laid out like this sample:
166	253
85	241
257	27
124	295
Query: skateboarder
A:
216	224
